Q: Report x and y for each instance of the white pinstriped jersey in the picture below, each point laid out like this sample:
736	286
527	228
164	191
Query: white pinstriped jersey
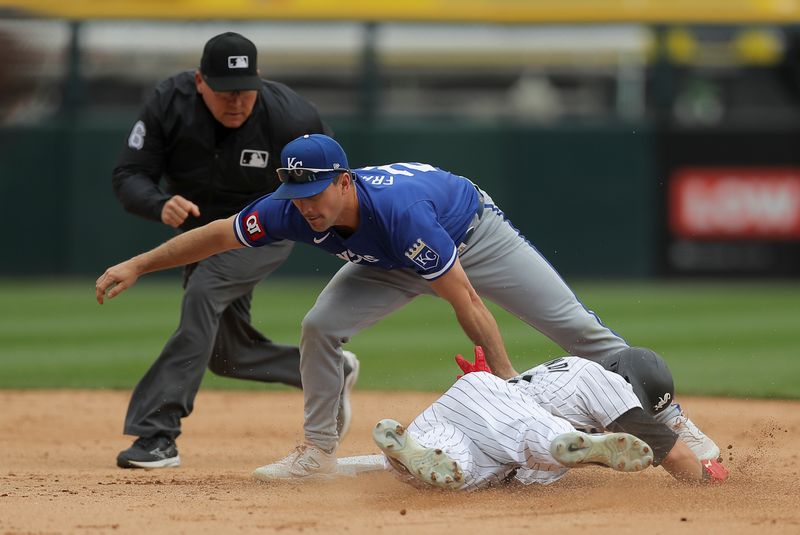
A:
579	390
492	427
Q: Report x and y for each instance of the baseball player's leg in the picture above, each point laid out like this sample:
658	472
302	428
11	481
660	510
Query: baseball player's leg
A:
440	457
240	350
620	451
503	422
505	268
355	298
479	470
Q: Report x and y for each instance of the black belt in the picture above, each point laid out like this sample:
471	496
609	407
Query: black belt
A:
474	223
520	378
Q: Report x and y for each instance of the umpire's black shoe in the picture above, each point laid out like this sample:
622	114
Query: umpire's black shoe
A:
150	452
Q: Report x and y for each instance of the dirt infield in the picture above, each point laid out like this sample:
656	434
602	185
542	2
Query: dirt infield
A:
57	475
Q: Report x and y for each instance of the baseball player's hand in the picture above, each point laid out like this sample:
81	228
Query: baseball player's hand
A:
115	280
479	365
177	209
714	471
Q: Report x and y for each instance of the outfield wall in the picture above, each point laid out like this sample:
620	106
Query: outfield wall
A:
597	201
582	194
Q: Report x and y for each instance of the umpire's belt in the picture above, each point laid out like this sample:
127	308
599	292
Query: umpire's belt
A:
474	223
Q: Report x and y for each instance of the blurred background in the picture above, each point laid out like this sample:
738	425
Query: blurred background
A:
625	139
648	148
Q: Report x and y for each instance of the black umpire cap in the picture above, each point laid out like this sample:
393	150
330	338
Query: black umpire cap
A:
229	63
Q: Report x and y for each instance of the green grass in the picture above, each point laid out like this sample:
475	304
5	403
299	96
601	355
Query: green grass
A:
720	338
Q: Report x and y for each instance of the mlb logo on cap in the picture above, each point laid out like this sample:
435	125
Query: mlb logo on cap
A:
238	62
229	63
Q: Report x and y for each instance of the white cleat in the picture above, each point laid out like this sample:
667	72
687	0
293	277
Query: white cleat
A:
306	461
429	465
702	446
620	451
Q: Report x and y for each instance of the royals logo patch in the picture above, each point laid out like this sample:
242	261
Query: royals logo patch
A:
422	255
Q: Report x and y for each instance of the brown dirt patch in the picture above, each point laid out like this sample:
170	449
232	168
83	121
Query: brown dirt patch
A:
57	475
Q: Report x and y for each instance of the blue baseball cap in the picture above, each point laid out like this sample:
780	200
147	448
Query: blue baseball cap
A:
309	165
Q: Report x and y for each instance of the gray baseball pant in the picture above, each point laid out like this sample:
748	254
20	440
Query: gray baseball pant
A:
502	266
214	332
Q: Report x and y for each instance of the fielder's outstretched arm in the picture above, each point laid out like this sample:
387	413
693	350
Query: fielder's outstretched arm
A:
473	316
669	450
682	463
193	246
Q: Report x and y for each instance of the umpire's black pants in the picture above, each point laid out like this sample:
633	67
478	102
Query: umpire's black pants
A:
214	332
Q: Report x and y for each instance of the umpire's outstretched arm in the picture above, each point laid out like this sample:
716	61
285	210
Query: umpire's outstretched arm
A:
193	246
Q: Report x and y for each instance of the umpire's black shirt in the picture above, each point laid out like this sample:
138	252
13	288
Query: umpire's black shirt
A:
219	169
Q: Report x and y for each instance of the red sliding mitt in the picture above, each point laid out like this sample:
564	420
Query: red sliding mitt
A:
479	365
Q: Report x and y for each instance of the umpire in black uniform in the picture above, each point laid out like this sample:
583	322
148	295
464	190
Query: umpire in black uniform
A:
214	136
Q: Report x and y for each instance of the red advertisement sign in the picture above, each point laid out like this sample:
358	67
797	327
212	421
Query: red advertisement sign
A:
735	203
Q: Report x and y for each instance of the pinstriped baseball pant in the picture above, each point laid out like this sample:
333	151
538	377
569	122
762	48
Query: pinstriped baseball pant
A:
491	427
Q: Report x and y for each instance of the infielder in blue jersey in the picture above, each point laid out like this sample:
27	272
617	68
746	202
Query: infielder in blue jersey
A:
404	229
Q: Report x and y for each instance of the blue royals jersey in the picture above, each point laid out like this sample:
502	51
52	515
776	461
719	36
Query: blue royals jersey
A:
411	216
